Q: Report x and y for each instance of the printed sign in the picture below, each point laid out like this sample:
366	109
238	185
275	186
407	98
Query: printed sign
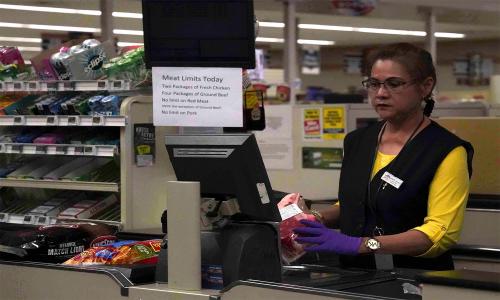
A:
312	124
321	158
204	97
333	123
144	144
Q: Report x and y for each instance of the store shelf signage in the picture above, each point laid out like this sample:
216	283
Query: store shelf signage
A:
204	97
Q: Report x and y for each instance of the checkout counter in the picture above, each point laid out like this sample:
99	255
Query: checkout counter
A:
246	248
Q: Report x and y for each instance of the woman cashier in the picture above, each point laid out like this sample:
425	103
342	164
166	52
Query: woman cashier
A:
404	181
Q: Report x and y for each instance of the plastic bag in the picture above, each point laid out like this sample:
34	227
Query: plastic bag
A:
52	243
292	210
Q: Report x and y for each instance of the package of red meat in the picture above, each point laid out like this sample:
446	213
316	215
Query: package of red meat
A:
292	210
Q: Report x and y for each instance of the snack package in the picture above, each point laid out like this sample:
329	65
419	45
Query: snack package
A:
52	243
119	253
292	211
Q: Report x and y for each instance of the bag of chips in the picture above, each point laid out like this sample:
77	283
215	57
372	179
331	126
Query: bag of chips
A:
119	253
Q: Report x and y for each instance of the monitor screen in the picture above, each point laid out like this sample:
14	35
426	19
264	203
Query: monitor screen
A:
226	165
199	33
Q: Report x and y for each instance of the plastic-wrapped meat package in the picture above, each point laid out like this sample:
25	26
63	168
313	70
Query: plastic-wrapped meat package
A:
292	211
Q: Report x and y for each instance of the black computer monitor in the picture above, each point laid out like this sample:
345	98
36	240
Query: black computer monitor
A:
226	165
194	33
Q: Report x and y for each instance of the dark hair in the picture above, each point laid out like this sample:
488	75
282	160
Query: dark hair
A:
417	62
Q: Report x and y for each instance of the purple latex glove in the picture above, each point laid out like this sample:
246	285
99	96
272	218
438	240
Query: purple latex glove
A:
326	240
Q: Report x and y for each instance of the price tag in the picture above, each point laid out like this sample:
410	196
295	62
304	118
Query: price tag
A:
29	219
4	217
89	150
52	86
97	120
42	220
18	86
1	147
1	86
101	85
32	86
61	149
79	150
19	120
51	120
117	84
73	120
41	149
16	148
69	86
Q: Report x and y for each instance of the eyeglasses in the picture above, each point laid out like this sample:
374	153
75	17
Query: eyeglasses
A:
392	84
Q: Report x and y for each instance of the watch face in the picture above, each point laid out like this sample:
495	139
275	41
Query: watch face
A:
373	244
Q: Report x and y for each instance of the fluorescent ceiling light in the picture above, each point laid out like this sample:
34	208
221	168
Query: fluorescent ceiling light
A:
119	14
272	24
325	27
61	10
29	49
391	31
450	35
315	42
49	27
125	44
68	28
300	41
127	32
51	9
20	39
269	40
364	29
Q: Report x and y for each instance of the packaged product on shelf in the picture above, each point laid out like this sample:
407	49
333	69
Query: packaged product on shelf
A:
106	106
119	253
48	166
73	60
50	138
129	66
83	173
57	204
52	243
21	106
26	168
109	172
11	55
8	72
87	64
58	63
87	209
68	167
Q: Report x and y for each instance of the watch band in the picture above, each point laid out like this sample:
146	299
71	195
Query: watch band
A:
317	215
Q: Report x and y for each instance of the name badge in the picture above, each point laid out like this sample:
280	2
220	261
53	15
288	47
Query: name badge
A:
392	180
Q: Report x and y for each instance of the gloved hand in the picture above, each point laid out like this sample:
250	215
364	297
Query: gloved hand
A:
326	239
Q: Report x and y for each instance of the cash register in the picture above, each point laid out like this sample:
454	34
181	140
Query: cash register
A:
239	211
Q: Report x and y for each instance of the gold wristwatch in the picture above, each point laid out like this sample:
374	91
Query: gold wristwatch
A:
372	244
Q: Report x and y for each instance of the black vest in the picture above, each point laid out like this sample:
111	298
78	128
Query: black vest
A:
397	210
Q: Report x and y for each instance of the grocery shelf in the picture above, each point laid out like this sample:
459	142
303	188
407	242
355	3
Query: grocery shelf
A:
59	149
52	120
65	86
26	219
61	184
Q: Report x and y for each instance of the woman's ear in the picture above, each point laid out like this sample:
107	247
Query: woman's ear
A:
426	86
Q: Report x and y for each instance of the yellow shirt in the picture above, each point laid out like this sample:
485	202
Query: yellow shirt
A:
447	200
